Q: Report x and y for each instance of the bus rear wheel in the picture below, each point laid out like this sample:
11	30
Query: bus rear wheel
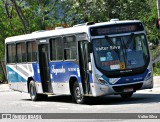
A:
33	93
77	95
126	95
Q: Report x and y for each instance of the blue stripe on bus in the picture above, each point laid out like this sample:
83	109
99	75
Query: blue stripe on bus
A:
13	76
36	70
60	71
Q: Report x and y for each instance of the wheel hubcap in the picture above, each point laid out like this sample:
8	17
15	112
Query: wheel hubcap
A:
77	92
32	92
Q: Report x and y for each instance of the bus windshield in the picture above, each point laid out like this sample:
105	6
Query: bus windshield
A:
121	53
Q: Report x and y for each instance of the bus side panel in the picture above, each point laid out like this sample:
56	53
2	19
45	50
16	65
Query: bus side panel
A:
36	70
60	73
37	78
12	76
23	73
18	75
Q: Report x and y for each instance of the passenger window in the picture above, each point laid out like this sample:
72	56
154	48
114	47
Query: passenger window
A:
23	49
70	48
32	51
11	53
21	52
19	57
56	49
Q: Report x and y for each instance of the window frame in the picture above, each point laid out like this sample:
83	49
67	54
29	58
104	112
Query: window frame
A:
27	45
7	53
50	48
21	61
67	48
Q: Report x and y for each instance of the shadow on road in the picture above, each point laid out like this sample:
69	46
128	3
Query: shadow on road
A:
137	98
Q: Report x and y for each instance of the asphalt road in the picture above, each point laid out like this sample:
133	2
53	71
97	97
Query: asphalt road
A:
144	101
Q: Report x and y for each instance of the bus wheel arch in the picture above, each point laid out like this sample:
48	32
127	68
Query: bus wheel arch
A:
33	91
71	83
76	94
28	82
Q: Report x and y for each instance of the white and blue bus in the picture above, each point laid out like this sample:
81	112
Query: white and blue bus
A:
91	59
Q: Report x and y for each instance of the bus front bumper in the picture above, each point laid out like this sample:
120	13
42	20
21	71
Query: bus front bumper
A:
101	90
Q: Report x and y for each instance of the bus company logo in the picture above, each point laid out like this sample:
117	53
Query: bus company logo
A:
56	71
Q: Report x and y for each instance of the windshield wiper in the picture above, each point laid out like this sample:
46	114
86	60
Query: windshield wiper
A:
129	40
111	43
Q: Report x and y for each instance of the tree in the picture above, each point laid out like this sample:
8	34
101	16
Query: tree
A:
32	14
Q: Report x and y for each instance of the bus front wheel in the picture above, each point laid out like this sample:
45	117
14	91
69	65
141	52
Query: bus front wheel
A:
77	95
126	95
33	93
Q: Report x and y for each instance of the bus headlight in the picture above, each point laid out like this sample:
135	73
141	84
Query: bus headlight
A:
100	79
149	75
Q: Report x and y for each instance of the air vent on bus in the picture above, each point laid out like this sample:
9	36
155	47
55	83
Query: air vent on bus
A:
87	23
56	28
39	31
79	25
114	20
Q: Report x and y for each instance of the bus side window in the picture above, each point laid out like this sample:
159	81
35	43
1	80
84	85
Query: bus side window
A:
13	53
52	49
9	54
29	50
70	48
67	54
23	50
56	49
32	51
19	54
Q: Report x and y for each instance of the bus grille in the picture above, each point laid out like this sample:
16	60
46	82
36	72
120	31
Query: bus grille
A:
121	88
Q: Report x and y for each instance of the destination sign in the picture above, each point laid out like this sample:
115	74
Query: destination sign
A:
116	29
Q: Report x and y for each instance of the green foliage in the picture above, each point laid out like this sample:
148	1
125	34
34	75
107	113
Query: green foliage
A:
33	15
47	14
156	69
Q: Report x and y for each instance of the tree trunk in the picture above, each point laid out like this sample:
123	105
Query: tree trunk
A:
21	16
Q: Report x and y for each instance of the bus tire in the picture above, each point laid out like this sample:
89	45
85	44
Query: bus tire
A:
33	92
126	95
77	95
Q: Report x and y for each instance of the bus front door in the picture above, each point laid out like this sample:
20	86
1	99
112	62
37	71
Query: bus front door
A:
84	68
44	68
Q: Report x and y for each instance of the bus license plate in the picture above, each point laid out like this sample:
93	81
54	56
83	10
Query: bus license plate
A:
128	90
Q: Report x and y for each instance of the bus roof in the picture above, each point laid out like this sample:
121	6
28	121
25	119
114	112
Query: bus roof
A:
62	31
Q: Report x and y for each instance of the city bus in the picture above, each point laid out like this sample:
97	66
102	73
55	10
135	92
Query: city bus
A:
90	59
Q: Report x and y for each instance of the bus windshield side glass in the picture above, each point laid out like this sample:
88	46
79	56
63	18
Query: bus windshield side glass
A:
121	53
